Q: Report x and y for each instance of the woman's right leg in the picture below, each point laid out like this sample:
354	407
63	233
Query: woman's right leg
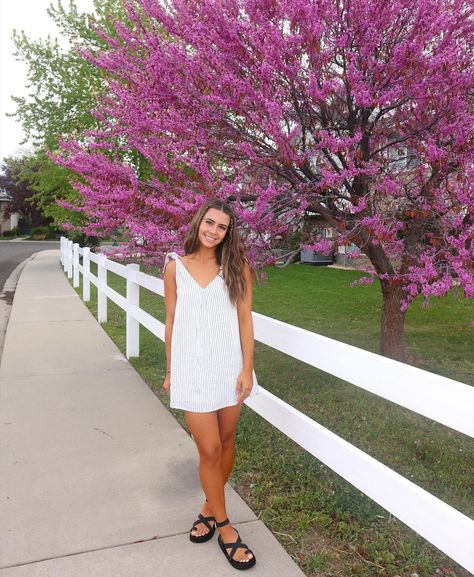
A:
227	420
204	428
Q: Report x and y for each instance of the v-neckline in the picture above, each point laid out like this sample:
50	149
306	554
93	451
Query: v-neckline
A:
198	284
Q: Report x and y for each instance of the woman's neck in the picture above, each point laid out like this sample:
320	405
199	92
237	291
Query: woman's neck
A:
204	254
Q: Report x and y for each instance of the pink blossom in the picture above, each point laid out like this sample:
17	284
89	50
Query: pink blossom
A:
291	108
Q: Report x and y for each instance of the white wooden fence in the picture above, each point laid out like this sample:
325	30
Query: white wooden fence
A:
444	400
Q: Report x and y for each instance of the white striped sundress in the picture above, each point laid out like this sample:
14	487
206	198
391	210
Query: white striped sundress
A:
206	354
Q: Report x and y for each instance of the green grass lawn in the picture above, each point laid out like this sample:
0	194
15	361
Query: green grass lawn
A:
329	527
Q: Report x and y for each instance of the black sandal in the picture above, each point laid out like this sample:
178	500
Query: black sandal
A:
242	565
205	521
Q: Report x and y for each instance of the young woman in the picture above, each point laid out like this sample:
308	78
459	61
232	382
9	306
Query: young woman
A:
209	349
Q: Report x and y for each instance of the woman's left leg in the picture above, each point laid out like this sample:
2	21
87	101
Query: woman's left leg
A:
206	429
227	420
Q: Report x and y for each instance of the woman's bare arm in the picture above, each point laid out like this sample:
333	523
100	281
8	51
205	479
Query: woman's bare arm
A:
169	279
244	311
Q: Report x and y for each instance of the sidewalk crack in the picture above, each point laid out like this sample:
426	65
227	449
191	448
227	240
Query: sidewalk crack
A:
129	544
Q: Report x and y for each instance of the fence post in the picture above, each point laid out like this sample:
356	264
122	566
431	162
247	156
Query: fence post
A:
69	258
64	254
101	296
133	326
86	267
75	263
61	249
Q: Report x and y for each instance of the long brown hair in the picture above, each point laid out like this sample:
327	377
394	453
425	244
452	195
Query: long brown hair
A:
230	254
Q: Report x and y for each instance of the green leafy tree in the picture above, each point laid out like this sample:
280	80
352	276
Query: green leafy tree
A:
63	85
48	183
63	89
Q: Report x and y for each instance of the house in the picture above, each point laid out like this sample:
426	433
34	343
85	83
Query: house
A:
10	222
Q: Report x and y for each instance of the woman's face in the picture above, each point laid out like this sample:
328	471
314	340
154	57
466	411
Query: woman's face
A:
213	227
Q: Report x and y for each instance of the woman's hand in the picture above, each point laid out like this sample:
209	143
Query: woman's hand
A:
244	385
167	383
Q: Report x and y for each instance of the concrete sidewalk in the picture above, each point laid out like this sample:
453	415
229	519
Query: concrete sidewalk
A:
97	479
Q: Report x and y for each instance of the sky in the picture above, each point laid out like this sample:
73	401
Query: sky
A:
30	16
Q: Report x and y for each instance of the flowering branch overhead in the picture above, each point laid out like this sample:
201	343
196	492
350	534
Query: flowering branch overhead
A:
292	108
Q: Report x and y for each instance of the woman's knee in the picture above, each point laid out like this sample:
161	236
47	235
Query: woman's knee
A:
227	440
210	454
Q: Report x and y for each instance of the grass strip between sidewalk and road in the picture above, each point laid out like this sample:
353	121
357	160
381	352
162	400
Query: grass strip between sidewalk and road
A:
328	526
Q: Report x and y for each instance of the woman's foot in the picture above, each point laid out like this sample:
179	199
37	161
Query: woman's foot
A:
201	528
229	538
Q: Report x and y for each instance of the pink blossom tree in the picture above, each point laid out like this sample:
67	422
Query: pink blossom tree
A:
355	110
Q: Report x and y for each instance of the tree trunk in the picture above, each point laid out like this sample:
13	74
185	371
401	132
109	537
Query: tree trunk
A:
392	329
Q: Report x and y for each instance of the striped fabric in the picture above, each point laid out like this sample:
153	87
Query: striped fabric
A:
206	355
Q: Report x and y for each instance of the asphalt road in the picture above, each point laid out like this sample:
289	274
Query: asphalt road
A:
12	253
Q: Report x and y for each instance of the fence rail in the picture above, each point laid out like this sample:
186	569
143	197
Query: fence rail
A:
444	400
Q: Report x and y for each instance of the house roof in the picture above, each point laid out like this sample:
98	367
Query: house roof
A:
4	196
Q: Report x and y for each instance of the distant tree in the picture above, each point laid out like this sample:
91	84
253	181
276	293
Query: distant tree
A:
20	192
358	112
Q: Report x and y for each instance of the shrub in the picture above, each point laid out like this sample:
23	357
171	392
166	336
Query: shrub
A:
52	232
38	232
43	232
83	240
